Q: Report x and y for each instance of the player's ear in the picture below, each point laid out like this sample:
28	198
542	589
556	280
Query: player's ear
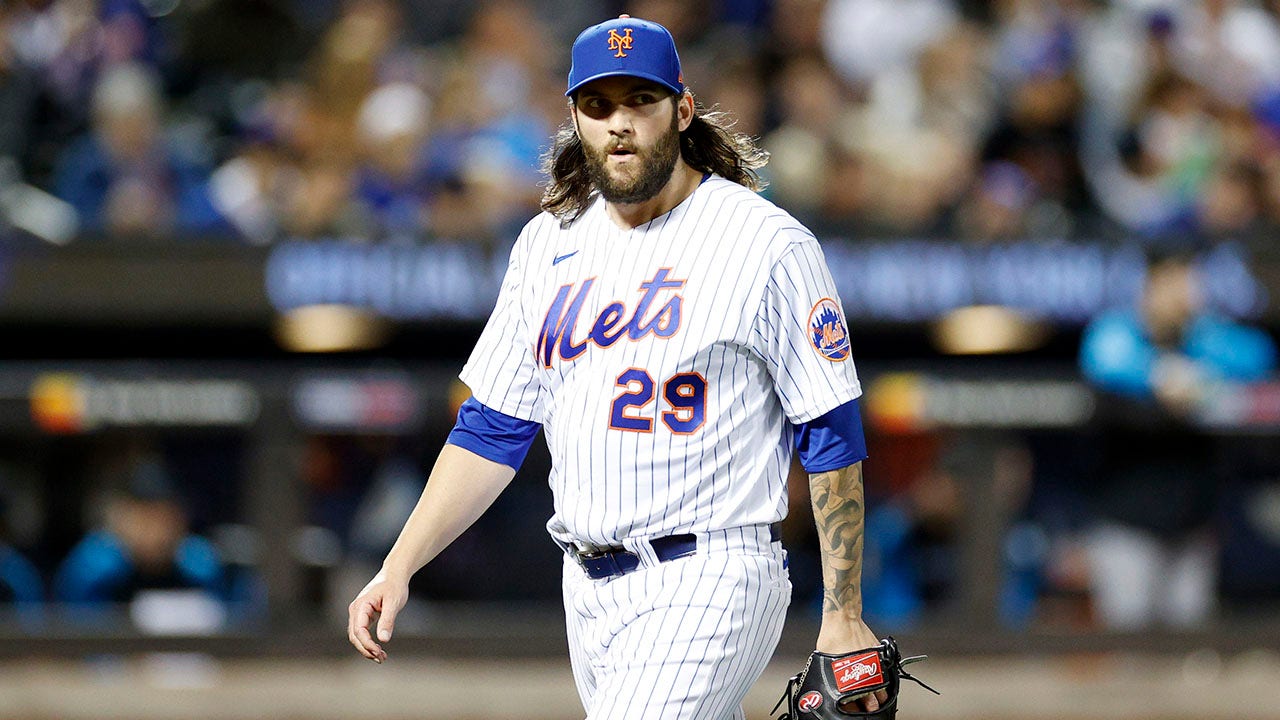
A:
684	109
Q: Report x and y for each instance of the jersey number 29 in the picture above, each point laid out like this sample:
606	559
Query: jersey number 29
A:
684	393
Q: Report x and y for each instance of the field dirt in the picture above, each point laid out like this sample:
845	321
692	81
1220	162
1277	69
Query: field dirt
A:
1197	686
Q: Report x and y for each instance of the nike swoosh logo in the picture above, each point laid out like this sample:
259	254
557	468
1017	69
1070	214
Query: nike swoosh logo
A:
566	256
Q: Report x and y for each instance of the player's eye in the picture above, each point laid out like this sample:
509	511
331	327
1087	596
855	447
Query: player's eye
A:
594	106
644	98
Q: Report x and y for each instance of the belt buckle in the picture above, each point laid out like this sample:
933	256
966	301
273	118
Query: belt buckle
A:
591	552
600	562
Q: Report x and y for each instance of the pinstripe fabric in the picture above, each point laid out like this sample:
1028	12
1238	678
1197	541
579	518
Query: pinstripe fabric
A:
716	297
751	274
683	639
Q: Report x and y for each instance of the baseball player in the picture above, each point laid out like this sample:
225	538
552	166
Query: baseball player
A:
674	336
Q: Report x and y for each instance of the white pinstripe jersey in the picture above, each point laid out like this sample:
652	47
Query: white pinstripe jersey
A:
666	362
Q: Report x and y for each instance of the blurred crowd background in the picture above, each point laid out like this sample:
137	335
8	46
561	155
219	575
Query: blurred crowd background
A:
980	120
1146	123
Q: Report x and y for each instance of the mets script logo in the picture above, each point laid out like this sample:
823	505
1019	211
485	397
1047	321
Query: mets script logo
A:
618	43
656	313
827	332
810	701
857	672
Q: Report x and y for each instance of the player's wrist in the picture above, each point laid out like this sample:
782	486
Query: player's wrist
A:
843	632
395	571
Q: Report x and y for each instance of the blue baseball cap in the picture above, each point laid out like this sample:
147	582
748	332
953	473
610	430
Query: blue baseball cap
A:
626	46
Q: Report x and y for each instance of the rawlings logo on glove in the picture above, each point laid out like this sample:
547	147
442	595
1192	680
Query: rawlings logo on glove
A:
858	671
829	682
811	700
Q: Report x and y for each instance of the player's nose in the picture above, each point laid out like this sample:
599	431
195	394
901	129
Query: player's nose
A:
622	121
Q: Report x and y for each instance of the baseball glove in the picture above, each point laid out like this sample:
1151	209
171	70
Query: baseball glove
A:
829	681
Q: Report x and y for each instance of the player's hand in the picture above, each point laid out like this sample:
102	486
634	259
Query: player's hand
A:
838	636
384	596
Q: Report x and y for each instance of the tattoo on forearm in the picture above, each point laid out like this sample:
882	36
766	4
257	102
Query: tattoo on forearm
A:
838	515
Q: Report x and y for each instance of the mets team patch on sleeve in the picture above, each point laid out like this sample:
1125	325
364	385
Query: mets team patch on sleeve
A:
827	331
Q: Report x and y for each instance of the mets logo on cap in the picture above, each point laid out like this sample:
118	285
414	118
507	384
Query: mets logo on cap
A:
625	46
618	43
827	331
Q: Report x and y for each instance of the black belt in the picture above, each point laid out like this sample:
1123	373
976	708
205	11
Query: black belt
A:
603	563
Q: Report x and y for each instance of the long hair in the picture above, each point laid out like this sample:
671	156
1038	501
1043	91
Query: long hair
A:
708	145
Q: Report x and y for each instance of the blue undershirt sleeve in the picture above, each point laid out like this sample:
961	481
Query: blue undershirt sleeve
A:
493	435
832	441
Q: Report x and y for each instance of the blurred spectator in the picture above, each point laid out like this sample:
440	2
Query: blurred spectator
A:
1152	554
70	43
986	121
24	209
1151	184
250	188
20	581
362	49
1178	135
881	140
1229	47
811	102
321	203
18	93
957	91
796	26
912	543
496	111
869	41
738	89
999	207
129	33
914	539
1231	203
361	488
125	178
1040	99
392	129
142	544
318	121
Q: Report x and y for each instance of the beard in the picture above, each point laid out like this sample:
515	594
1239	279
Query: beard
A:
642	182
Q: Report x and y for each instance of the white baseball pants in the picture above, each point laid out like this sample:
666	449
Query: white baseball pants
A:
680	640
